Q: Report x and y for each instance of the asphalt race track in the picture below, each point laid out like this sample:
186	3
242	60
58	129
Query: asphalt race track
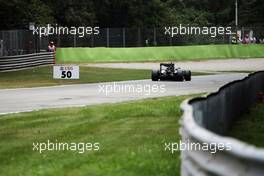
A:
196	66
29	99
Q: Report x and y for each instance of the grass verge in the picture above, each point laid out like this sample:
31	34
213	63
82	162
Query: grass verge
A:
131	137
250	127
43	76
178	53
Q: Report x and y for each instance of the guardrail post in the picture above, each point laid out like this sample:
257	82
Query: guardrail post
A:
1	47
16	42
107	37
124	37
139	37
74	40
154	37
59	41
92	40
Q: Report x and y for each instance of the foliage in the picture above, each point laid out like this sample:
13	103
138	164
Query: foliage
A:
253	122
129	13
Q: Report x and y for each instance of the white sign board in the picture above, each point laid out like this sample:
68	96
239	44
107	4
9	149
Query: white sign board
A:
66	72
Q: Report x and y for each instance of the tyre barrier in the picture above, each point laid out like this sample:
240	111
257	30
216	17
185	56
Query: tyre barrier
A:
206	120
9	63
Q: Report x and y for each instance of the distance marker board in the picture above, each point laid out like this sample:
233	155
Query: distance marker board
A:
66	72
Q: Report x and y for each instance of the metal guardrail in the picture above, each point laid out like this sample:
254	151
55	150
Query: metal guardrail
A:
8	63
207	119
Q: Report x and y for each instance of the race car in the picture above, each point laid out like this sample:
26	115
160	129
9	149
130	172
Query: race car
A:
168	71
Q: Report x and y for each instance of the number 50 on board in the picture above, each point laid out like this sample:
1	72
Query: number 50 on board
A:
66	72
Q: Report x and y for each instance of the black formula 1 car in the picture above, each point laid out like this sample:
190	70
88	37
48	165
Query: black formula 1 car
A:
168	71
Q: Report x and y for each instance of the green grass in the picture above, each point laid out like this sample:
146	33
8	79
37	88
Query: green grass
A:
131	137
237	71
179	53
250	128
43	76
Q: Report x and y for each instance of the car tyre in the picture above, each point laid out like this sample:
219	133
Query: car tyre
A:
188	75
180	75
155	75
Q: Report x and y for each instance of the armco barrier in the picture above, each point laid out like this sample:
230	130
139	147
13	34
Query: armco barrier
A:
23	61
206	120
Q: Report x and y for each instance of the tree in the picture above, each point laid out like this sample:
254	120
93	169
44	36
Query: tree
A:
18	14
251	13
129	13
